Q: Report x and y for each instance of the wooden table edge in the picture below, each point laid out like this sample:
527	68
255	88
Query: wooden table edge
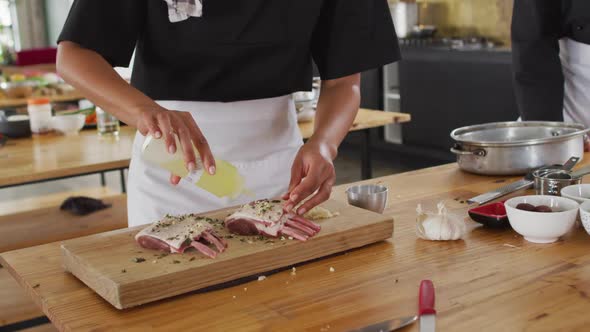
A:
65	173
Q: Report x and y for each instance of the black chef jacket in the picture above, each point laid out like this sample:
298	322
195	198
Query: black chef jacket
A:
537	25
239	49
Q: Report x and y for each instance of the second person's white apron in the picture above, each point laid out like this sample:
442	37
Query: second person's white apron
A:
575	61
260	137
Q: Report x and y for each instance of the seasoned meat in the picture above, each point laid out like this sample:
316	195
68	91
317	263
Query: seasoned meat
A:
266	217
177	234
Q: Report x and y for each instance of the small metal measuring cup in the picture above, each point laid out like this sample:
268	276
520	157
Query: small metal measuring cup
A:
371	197
550	182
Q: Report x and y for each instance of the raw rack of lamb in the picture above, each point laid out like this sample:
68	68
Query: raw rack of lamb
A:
266	217
176	234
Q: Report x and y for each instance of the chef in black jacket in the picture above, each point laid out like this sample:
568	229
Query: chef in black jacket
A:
551	59
219	74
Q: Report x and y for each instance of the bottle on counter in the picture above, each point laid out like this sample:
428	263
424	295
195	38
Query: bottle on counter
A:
40	115
227	181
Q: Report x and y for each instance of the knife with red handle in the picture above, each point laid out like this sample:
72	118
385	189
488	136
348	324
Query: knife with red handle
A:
426	309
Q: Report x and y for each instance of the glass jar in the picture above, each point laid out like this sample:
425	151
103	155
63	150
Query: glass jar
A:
39	110
106	123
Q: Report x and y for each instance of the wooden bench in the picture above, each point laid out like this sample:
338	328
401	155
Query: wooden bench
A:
51	200
50	224
45	225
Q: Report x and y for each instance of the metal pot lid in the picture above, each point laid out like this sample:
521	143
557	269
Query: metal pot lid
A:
517	133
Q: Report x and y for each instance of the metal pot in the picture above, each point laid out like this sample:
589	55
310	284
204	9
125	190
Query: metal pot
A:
513	148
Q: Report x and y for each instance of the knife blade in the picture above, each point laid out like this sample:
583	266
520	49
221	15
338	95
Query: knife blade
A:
388	325
502	191
426	307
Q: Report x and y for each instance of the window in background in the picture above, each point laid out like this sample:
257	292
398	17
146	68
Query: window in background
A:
7	40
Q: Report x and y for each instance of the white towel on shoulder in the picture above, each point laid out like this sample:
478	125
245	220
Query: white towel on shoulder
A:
180	10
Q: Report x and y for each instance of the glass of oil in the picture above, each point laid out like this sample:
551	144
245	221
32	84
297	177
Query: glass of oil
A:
107	124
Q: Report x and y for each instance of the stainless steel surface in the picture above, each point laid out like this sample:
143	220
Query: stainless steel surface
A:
388	325
502	191
569	165
369	197
526	183
512	148
517	133
427	323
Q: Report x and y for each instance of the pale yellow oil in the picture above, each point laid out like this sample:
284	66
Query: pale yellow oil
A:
227	181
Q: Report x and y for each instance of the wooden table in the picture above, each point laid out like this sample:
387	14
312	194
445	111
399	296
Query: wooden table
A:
46	158
491	281
52	157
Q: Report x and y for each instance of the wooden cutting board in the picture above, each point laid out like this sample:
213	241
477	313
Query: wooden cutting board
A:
106	262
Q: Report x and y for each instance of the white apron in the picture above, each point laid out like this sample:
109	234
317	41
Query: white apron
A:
260	137
575	60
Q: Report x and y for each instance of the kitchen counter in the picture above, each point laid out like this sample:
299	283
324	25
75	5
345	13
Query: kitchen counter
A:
492	280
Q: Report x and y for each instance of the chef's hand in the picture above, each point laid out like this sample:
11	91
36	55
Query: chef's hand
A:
312	175
160	122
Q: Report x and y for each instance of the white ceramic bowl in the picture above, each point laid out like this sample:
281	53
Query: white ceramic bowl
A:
578	192
539	227
69	124
585	215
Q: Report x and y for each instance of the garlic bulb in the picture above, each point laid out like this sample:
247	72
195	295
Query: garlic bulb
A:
439	227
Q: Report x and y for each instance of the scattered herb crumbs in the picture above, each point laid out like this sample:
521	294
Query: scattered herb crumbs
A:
138	260
396	280
123	271
175	262
192	259
462	202
36	285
